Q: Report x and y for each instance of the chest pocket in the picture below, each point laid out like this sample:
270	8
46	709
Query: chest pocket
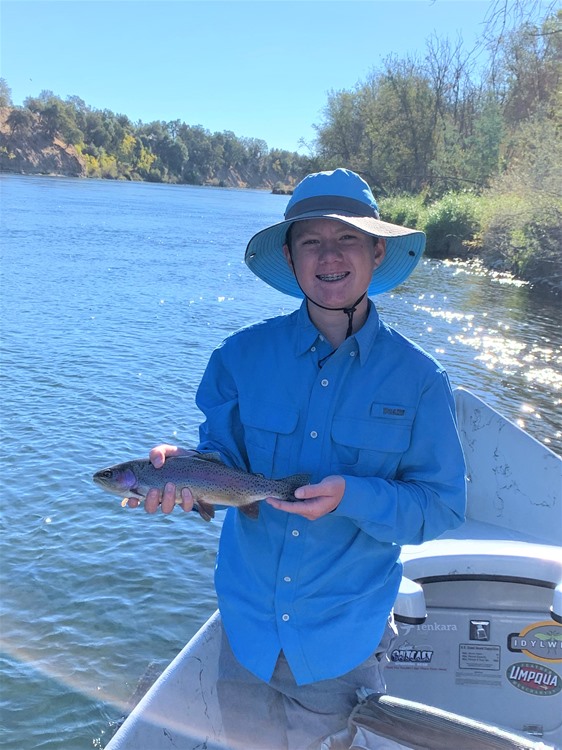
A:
267	430
369	447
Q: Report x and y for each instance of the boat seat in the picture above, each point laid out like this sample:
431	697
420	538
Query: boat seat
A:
453	559
421	727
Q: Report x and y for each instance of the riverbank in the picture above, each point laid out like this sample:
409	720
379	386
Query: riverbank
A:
497	229
31	150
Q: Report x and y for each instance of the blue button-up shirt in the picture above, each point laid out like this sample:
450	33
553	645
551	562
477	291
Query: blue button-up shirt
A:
380	412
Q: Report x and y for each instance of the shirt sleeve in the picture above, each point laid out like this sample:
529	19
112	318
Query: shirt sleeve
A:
217	397
428	494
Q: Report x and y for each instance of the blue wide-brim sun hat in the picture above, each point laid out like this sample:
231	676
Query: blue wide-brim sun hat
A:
343	196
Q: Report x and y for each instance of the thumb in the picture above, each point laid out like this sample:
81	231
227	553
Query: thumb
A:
160	453
307	491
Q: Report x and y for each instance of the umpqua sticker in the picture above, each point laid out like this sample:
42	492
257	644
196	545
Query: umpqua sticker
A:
533	678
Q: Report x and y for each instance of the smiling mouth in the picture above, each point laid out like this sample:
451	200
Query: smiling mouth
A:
330	277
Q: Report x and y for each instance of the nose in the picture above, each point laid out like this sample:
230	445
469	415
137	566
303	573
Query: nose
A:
329	249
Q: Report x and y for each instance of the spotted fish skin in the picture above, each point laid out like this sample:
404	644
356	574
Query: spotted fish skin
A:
210	481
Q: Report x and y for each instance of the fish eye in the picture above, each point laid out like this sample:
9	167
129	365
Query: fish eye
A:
107	474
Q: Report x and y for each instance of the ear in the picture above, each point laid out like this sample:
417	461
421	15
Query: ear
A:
380	252
287	254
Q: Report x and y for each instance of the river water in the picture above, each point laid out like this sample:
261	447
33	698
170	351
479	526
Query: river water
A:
113	296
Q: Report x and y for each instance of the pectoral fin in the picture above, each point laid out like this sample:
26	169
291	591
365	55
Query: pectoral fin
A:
252	510
207	512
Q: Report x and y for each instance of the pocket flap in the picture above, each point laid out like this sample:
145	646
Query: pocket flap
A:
372	434
268	416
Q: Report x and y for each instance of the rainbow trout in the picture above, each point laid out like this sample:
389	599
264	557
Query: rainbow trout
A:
210	481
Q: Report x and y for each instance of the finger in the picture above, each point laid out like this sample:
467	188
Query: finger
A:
186	499
288	507
160	453
152	501
169	498
310	509
306	509
132	502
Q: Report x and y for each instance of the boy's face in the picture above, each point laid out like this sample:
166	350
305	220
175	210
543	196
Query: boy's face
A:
332	261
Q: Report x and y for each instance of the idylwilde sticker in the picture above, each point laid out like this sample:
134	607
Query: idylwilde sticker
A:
541	640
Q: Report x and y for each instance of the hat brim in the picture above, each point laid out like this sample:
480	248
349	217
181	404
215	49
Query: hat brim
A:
404	248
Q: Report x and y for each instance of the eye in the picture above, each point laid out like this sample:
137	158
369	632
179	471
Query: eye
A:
107	474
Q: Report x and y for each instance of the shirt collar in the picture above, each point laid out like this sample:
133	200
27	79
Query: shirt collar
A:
307	333
365	336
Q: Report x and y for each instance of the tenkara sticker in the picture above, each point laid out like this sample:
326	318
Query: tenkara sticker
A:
534	678
540	640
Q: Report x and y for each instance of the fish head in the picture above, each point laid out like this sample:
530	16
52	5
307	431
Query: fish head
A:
120	480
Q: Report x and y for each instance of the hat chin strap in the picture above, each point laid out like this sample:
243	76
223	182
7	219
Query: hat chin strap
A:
349	311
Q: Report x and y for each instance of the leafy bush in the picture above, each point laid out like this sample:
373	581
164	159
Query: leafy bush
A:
525	239
522	218
405	210
451	222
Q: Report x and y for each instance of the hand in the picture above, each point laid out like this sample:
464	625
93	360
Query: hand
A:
166	499
317	500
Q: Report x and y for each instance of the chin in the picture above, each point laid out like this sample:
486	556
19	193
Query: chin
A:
334	298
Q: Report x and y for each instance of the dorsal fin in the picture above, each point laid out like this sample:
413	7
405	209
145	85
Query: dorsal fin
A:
212	457
302	478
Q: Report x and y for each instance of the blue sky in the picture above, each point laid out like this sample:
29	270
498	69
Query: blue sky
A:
260	68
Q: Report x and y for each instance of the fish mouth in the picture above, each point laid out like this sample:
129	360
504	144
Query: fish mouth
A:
332	277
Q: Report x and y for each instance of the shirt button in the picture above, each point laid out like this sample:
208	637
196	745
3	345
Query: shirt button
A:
313	434
295	532
287	579
312	348
352	354
285	618
324	382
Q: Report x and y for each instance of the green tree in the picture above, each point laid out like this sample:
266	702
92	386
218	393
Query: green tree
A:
341	135
5	94
173	154
483	146
20	121
233	150
143	159
197	141
405	126
528	70
58	119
